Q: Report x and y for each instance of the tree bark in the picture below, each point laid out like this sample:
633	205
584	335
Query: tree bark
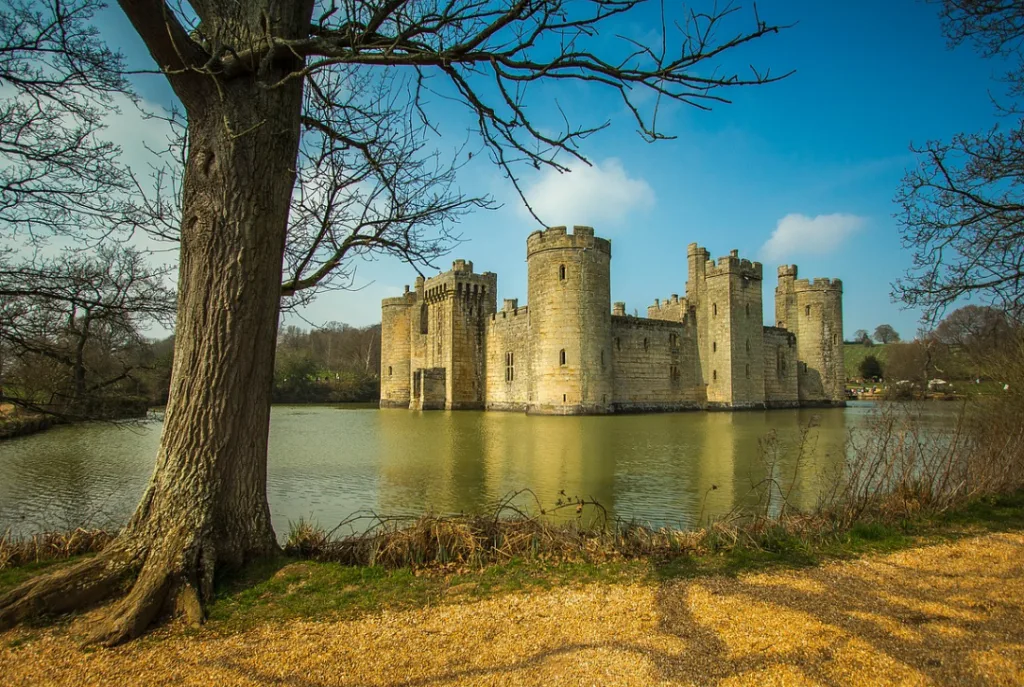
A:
206	505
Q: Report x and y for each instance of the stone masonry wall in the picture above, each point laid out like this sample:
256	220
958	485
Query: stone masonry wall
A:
780	373
654	365
395	354
570	321
508	359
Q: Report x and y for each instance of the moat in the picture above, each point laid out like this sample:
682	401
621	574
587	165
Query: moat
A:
327	463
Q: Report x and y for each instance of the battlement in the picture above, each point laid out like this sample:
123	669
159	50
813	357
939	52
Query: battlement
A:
459	282
506	312
787	271
818	284
694	250
619	308
405	300
733	264
558	238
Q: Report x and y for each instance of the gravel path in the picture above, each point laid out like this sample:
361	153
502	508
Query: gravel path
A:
951	614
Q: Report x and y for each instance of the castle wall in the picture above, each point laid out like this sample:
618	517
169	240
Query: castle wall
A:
570	321
735	356
672	309
780	368
654	365
395	353
508	359
813	311
445	345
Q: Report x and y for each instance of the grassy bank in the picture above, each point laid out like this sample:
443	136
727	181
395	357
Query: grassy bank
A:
292	587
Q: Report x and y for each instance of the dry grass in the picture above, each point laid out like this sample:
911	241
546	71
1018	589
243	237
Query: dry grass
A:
947	614
50	546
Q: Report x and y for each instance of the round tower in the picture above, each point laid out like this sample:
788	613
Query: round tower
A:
818	320
395	350
570	321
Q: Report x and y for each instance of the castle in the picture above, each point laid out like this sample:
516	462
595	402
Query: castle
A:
445	345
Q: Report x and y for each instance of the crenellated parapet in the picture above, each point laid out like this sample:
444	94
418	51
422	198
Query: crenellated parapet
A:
555	238
823	284
461	283
732	264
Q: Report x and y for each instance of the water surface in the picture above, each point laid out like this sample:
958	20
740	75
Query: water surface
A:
326	463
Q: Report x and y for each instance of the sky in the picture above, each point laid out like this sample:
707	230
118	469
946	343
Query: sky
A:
801	171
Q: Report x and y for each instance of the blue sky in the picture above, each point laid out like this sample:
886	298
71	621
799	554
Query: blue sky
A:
802	171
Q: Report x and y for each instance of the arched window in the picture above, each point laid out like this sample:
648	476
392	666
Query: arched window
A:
835	339
561	357
807	310
561	272
714	309
389	370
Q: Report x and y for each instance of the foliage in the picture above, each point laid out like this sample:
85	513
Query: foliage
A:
334	364
885	334
870	368
862	337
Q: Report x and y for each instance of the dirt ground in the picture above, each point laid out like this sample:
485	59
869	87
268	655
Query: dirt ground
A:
951	614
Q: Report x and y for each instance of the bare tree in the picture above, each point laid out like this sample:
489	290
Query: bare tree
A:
57	174
71	328
242	72
963	206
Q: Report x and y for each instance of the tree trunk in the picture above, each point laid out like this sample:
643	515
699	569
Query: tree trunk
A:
206	505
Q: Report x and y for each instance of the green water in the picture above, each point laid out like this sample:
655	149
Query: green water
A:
327	463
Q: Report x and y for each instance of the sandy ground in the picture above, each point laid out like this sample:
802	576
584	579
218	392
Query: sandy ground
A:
950	615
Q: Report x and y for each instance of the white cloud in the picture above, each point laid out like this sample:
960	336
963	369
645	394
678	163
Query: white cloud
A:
797	234
601	196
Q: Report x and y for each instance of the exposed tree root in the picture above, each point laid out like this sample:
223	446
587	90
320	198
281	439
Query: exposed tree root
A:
79	586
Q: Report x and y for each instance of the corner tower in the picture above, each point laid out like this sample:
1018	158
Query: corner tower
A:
813	311
395	352
570	321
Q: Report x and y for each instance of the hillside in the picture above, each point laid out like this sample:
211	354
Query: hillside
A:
854	353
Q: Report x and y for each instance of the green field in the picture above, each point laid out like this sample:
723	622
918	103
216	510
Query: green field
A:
854	353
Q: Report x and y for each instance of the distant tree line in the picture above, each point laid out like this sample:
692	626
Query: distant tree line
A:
334	364
961	347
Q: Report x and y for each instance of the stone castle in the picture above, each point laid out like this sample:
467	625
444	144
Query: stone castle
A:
445	344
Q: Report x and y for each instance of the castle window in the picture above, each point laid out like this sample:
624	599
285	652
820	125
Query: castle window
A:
423	319
673	373
673	340
748	309
561	272
510	368
748	345
602	359
714	375
563	398
714	346
748	370
807	310
618	344
389	370
714	309
561	357
647	343
835	339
